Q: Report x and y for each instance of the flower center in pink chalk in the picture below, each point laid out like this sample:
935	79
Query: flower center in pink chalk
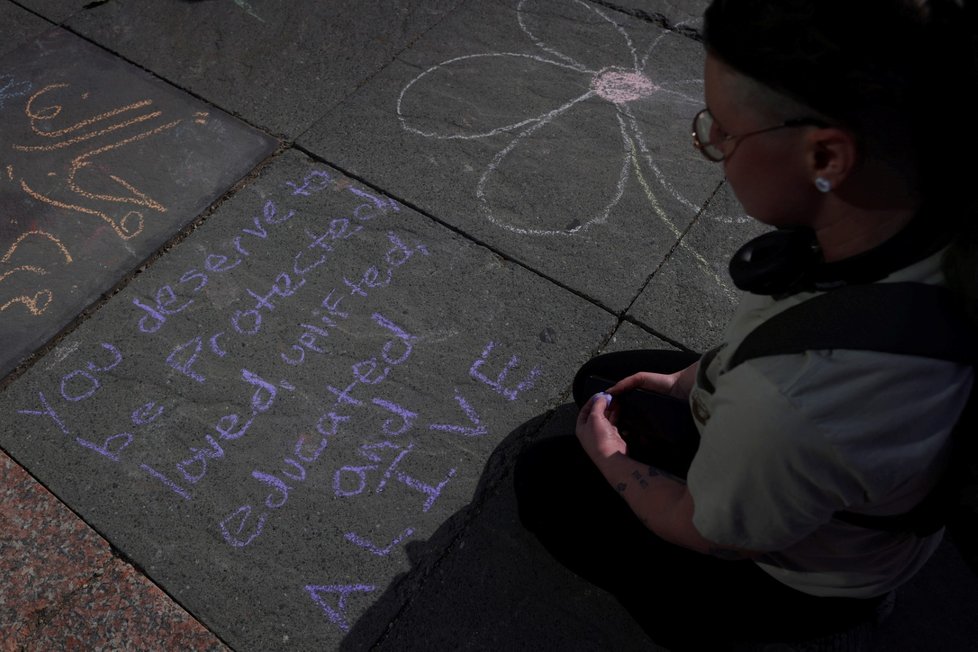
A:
619	86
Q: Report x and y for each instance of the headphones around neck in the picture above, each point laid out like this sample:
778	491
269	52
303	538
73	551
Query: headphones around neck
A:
776	263
787	261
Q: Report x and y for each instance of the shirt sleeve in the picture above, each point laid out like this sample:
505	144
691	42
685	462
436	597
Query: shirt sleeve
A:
837	430
764	476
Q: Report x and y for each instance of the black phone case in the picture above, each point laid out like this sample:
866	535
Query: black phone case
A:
659	429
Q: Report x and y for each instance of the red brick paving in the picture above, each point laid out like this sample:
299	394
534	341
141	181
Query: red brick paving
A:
62	588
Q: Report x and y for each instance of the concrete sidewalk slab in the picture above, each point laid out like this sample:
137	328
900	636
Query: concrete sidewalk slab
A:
556	132
100	164
19	26
57	11
309	381
278	65
691	298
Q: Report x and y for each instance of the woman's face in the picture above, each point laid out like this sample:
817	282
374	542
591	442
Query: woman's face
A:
768	172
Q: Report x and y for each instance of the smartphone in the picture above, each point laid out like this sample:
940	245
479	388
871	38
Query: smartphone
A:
653	425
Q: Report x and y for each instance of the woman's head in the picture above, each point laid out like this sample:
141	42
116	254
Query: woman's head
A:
895	77
763	138
893	73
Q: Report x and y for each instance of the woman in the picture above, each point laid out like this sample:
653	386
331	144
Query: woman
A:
833	121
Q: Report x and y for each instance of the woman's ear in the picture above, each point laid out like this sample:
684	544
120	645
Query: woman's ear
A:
833	154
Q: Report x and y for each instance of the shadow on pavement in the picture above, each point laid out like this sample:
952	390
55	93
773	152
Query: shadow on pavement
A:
495	588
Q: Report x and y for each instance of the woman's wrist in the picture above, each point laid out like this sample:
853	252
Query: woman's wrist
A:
683	381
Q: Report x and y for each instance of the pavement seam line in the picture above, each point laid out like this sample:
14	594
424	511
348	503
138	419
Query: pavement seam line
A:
19	4
621	317
457	231
124	281
282	138
653	17
395	57
625	315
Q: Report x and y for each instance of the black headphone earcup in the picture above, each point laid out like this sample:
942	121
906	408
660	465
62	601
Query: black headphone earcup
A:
777	262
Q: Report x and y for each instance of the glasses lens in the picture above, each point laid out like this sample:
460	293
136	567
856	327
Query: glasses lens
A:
705	132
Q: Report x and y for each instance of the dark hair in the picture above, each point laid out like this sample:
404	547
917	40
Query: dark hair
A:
899	74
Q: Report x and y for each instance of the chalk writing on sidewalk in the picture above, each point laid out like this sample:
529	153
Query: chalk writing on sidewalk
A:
383	459
336	613
100	165
84	383
327	424
41	109
37	303
74	152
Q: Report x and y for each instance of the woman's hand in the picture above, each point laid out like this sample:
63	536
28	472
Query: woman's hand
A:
677	385
598	435
662	503
653	382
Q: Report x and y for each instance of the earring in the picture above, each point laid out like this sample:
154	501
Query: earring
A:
823	184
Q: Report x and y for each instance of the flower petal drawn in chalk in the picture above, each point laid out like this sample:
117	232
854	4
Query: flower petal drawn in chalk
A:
569	133
577	34
486	108
585	90
481	95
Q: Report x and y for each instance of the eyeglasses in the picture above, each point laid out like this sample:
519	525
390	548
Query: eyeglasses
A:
715	149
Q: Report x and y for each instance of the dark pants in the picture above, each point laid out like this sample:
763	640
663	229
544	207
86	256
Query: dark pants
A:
683	599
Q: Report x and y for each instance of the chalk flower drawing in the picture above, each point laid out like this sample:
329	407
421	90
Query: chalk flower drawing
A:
600	76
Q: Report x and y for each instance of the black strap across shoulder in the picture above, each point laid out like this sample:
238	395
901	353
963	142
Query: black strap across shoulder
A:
902	318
